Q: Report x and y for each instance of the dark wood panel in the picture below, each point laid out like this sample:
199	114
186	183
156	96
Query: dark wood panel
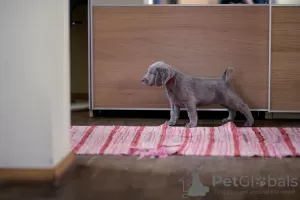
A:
199	40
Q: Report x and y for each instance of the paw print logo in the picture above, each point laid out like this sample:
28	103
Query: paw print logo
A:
260	181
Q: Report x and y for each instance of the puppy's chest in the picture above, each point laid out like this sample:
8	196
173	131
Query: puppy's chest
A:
173	95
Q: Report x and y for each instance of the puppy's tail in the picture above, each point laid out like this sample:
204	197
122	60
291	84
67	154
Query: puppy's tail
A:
227	74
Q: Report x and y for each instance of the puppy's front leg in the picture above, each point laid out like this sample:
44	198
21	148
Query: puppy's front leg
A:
192	113
174	114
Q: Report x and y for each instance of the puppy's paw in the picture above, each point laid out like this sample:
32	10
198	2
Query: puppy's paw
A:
171	123
190	125
248	124
226	120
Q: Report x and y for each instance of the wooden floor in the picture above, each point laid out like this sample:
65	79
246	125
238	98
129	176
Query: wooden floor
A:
116	177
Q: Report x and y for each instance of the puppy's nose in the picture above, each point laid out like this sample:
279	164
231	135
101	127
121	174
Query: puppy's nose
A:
143	80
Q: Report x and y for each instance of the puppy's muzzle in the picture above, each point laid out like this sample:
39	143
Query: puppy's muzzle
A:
145	81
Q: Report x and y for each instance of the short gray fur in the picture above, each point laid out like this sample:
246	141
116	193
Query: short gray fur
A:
185	91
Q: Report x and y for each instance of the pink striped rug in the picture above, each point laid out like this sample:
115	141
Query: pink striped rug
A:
160	141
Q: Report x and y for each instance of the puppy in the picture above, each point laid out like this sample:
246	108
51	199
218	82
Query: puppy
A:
185	91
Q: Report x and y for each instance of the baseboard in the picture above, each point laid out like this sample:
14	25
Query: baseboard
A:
43	175
64	165
165	114
283	115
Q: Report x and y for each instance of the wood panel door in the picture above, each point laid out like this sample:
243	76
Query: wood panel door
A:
285	76
197	40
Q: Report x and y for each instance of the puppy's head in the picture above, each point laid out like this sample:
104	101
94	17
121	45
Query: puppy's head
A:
158	74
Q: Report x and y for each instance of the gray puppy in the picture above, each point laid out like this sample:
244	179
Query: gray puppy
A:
185	91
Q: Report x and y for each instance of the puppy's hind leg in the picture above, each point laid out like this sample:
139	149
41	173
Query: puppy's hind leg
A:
192	114
231	116
234	102
244	109
174	115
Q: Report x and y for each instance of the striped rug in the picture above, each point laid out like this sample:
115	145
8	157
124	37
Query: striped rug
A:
159	141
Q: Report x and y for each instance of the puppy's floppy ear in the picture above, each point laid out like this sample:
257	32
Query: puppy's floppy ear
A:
162	75
157	78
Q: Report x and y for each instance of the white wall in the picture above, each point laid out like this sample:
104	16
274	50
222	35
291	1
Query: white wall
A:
34	83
